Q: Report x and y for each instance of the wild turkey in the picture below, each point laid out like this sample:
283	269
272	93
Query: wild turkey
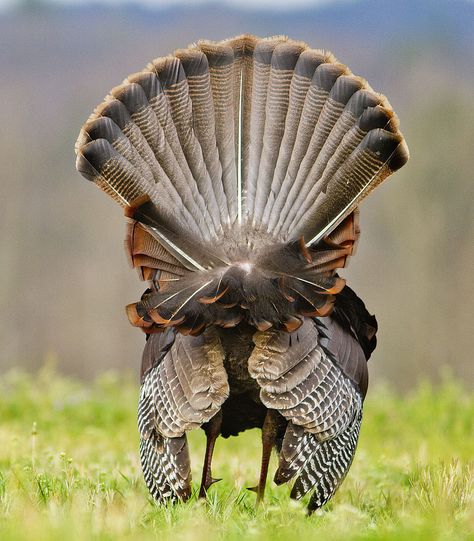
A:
240	165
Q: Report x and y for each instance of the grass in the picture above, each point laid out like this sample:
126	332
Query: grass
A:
69	469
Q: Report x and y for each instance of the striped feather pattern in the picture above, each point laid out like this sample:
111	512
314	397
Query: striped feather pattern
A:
297	447
327	465
186	388
262	133
302	375
183	386
299	379
166	467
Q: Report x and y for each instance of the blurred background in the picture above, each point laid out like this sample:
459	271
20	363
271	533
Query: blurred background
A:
64	279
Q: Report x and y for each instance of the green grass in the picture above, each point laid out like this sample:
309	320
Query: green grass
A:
69	470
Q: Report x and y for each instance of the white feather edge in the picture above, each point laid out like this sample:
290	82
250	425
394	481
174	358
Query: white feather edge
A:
351	205
186	259
239	151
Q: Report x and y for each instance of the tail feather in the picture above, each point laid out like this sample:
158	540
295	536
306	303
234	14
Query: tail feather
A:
100	162
155	149
330	115
378	155
151	119
283	61
370	118
262	58
358	102
247	45
305	67
338	146
323	79
221	69
196	67
172	157
240	144
175	85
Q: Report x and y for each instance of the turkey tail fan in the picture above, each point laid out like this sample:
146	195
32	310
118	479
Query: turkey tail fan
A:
263	133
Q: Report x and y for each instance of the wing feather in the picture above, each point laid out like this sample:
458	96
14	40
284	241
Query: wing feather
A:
303	376
184	384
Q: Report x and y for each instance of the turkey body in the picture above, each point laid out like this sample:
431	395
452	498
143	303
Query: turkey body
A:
325	396
240	166
243	409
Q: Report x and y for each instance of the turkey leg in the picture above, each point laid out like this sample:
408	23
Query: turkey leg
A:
269	433
212	430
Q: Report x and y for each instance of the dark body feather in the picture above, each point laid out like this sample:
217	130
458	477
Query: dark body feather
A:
243	409
240	166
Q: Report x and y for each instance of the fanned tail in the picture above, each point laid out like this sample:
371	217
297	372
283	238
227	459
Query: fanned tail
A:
245	134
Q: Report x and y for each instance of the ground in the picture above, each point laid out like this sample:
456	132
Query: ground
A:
69	470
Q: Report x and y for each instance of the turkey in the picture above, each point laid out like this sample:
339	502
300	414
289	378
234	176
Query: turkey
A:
240	166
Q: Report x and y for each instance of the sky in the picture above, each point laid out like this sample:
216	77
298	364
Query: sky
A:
278	4
247	4
283	5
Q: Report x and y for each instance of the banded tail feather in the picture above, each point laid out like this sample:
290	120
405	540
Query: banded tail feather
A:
270	126
240	165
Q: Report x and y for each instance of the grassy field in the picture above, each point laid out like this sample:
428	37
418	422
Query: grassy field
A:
69	470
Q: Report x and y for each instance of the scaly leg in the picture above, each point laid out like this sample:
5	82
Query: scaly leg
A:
269	433
212	430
